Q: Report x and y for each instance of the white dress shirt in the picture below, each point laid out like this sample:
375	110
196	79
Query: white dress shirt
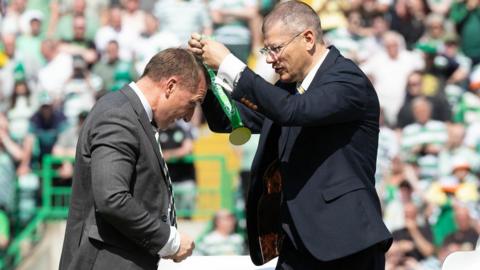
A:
231	67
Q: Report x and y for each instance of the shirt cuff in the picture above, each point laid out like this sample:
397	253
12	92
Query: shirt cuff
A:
229	72
172	245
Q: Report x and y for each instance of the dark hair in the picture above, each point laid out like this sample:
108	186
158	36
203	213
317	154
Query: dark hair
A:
114	42
175	62
219	213
406	185
13	99
296	17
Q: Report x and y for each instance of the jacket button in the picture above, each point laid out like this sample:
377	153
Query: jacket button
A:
164	218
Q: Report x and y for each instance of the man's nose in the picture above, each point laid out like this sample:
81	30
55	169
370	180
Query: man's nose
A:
270	58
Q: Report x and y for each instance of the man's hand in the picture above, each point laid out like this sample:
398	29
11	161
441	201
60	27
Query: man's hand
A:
211	52
185	250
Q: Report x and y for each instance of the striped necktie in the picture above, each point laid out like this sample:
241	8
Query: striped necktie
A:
171	208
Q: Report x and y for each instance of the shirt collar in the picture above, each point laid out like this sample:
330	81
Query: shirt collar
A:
311	74
143	99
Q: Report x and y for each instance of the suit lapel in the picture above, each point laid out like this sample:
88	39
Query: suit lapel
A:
285	131
143	119
327	63
292	132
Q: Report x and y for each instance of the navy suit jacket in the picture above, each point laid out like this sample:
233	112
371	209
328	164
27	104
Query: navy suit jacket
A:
326	142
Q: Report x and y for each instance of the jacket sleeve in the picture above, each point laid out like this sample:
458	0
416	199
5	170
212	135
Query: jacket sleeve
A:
218	121
114	153
341	97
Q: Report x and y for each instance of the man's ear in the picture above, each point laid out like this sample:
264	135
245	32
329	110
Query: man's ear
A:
171	84
309	38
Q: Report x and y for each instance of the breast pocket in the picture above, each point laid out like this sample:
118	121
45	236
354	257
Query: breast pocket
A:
334	192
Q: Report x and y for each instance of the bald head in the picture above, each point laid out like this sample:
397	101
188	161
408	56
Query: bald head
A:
422	109
295	16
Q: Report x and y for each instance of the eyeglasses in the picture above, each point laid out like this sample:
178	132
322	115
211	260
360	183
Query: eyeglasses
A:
276	50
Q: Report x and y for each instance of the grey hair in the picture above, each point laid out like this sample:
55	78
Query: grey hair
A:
296	17
419	101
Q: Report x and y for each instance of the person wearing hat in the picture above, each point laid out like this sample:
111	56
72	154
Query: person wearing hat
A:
46	124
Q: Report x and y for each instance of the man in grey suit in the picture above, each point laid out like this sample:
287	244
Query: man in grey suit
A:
122	215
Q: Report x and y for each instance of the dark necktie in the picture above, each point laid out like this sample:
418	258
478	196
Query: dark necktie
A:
171	207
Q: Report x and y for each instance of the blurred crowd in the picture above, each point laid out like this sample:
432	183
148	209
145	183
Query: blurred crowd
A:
57	57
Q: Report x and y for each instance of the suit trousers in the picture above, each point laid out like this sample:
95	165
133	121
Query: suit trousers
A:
293	257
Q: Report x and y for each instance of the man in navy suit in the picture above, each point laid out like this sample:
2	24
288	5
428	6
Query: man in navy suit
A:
312	199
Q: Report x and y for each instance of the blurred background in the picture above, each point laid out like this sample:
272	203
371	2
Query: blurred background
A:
57	57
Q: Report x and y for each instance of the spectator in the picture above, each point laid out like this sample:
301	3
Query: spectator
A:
223	240
415	240
80	90
114	71
66	25
231	21
66	145
440	106
467	111
22	107
424	139
436	262
94	8
472	138
46	124
79	44
9	153
133	18
373	43
332	13
407	18
59	68
461	186
7	70
464	14
389	70
11	21
17	69
439	69
439	6
455	150
388	149
114	31
395	258
466	233
436	31
194	18
402	194
28	44
348	39
451	50
152	41
177	143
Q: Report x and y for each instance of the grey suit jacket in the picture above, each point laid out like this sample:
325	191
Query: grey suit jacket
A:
118	216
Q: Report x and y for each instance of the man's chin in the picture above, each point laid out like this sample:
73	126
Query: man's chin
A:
285	78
